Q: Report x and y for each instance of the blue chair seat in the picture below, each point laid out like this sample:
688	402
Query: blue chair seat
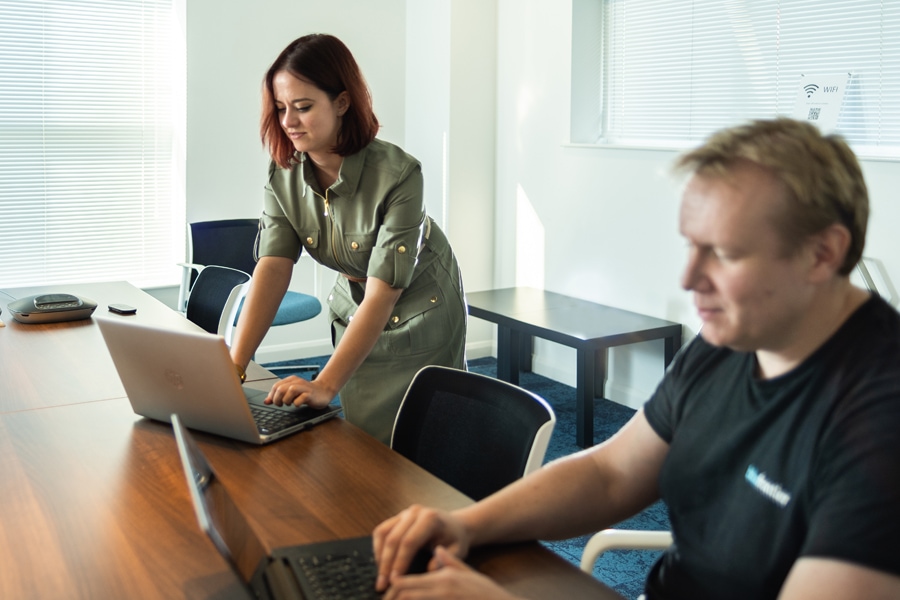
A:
295	307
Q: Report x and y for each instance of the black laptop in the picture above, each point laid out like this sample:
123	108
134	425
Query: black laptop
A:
339	569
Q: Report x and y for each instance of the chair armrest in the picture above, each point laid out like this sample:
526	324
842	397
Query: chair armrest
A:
624	539
184	290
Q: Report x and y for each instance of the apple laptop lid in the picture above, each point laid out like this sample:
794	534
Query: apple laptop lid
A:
190	373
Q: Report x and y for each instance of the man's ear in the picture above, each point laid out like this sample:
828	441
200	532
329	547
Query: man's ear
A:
342	103
829	249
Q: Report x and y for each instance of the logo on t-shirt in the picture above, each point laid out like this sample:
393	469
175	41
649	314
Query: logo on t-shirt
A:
771	490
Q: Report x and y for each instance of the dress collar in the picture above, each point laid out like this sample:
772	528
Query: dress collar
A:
348	177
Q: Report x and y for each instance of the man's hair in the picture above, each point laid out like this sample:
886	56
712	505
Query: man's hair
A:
823	180
324	61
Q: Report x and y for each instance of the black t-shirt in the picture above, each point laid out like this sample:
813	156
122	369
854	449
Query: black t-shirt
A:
760	473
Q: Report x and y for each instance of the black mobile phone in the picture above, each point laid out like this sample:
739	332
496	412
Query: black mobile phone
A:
122	309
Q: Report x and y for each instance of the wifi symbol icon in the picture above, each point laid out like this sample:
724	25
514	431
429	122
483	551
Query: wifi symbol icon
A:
809	89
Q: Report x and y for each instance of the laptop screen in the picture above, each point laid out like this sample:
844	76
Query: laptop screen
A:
219	517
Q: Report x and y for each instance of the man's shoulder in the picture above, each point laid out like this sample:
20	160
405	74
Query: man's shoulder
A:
871	334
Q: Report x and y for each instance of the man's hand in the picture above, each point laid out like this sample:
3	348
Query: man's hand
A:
397	540
448	578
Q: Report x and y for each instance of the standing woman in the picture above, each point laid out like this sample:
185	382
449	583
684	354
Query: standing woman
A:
355	204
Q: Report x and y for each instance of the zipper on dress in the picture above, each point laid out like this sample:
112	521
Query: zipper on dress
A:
333	236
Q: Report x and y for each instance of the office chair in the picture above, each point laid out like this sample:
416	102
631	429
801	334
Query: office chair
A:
622	539
215	298
474	432
230	243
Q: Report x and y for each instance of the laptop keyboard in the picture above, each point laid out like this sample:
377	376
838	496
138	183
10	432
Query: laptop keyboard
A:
269	420
341	576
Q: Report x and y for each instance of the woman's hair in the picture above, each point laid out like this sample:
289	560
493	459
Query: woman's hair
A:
327	63
820	173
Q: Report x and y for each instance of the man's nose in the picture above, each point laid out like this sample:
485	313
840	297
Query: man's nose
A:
693	271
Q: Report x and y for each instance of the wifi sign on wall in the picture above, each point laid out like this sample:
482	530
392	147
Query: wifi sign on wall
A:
820	101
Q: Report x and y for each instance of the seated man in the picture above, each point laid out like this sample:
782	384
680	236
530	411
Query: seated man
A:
773	437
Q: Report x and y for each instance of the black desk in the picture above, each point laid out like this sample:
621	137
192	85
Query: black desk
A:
521	313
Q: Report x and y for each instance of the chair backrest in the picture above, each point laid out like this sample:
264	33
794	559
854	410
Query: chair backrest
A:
228	243
475	432
215	299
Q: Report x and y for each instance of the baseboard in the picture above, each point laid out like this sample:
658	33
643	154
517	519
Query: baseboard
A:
292	351
278	352
627	396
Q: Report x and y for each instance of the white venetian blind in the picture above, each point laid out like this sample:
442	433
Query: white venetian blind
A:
676	70
89	175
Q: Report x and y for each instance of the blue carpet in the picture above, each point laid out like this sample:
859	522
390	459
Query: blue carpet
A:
623	571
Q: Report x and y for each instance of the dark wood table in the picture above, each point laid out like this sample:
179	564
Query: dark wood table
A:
94	502
522	313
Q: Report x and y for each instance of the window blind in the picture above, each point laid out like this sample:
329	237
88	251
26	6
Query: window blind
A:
89	170
676	70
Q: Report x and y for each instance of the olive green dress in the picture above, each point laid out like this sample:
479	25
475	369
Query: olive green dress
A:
371	223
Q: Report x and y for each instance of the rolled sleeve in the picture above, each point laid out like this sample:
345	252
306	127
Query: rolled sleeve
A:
277	236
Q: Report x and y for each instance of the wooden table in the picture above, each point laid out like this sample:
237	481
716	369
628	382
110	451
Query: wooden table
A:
94	503
592	329
53	364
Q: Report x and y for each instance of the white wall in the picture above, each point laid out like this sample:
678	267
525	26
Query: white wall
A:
600	224
451	128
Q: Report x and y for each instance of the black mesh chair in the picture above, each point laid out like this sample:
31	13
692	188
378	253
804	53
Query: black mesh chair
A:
229	243
215	298
475	432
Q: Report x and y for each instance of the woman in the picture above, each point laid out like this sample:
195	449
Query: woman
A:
355	204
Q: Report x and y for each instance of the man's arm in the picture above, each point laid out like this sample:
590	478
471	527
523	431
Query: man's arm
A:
579	494
831	579
575	495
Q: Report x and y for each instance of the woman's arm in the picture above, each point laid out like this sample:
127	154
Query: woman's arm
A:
270	281
359	339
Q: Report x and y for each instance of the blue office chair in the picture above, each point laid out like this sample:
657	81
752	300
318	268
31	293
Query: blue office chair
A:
230	243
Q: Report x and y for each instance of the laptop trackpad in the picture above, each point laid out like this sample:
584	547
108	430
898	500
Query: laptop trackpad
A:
256	396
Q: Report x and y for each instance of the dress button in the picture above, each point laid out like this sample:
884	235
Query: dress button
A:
309	240
395	319
354	245
401	249
433	299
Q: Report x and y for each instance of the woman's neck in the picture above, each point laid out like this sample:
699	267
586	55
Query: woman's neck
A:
326	167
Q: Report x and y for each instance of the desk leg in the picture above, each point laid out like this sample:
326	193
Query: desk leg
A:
526	352
590	379
673	344
509	344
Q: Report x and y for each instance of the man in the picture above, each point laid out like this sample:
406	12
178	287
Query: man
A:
773	438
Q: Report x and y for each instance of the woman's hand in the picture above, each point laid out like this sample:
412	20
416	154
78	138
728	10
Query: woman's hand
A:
298	391
448	578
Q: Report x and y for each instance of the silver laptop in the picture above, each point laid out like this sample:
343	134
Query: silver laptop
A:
167	371
335	569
